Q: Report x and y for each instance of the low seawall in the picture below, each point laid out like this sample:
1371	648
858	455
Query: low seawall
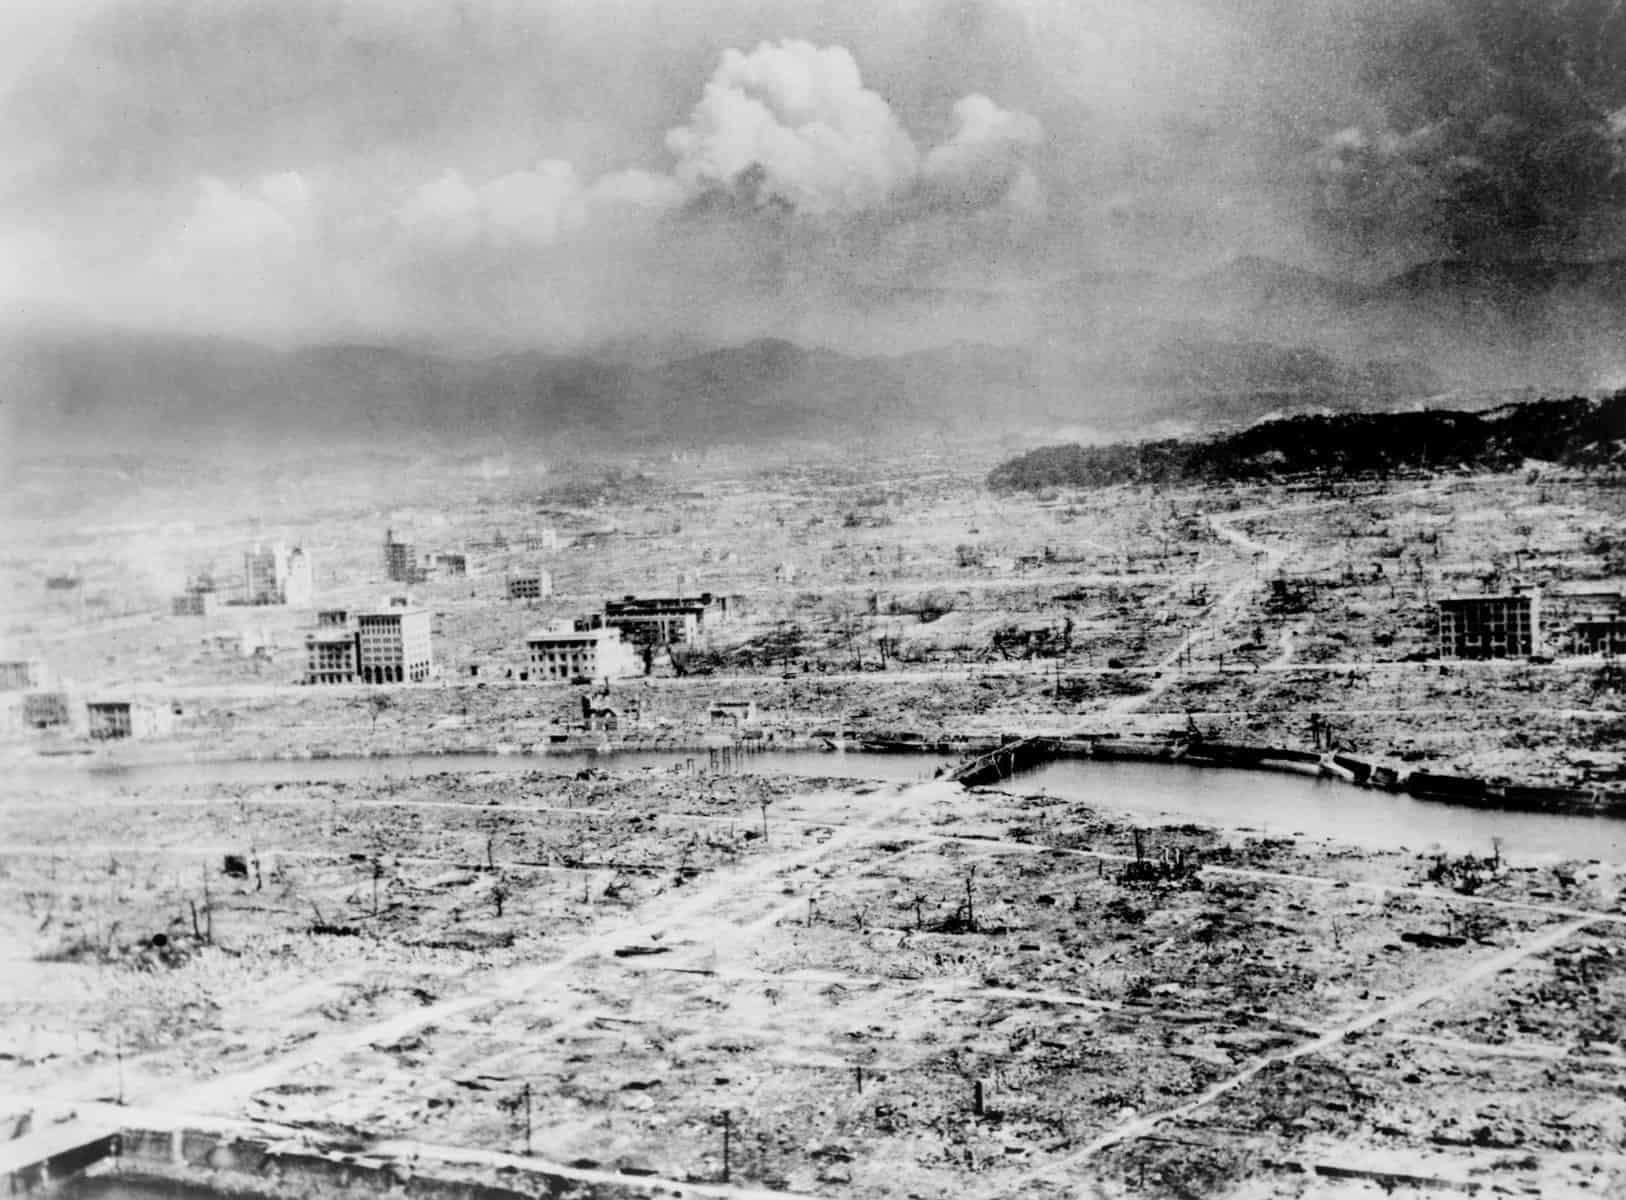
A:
1015	755
196	1164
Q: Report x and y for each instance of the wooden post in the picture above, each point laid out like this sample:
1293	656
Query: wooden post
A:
726	1131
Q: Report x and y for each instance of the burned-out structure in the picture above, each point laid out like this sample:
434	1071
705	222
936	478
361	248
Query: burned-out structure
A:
662	620
400	560
276	574
530	585
1490	626
114	720
19	675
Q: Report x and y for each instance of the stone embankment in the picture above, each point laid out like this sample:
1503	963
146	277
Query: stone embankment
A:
1018	754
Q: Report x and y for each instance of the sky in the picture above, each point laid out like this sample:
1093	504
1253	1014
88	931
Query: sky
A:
560	174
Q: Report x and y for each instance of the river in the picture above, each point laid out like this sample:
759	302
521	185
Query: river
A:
1262	801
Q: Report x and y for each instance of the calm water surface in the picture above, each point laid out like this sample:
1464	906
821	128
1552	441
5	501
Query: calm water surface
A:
1268	802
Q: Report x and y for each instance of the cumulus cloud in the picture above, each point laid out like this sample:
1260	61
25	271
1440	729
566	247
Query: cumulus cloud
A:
986	156
788	126
526	209
795	123
267	217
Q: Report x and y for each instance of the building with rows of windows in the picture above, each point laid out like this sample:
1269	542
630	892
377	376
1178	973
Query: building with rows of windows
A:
562	653
394	645
1502	626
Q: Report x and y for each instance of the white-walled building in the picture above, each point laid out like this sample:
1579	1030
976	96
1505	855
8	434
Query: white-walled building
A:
111	720
394	645
277	575
561	653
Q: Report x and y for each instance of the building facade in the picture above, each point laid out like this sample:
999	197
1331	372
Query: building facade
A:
332	656
561	654
1500	626
737	713
400	560
277	575
1607	637
537	585
661	620
45	710
21	675
112	720
394	645
193	604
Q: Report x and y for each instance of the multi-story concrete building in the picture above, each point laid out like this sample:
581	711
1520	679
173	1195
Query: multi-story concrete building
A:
562	653
332	656
299	585
193	604
1497	626
400	560
333	618
277	575
394	644
110	720
534	585
737	713
1607	637
661	620
45	710
21	675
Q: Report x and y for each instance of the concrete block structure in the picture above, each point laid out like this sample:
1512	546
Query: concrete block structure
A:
193	604
21	675
113	720
1492	626
1607	637
394	645
277	575
737	713
562	653
44	710
400	560
534	585
662	620
1584	620
332	656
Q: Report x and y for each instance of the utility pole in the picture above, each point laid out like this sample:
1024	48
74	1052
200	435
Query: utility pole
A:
727	1129
527	1097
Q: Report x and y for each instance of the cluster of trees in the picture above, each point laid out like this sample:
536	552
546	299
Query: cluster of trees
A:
1577	432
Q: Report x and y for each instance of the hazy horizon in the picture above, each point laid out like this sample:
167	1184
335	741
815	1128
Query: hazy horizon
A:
912	173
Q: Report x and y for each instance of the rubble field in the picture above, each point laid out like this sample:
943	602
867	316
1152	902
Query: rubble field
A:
901	989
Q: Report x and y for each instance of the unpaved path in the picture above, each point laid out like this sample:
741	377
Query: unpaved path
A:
1141	1126
660	918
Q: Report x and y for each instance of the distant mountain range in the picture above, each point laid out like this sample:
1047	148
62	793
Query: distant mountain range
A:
1115	353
